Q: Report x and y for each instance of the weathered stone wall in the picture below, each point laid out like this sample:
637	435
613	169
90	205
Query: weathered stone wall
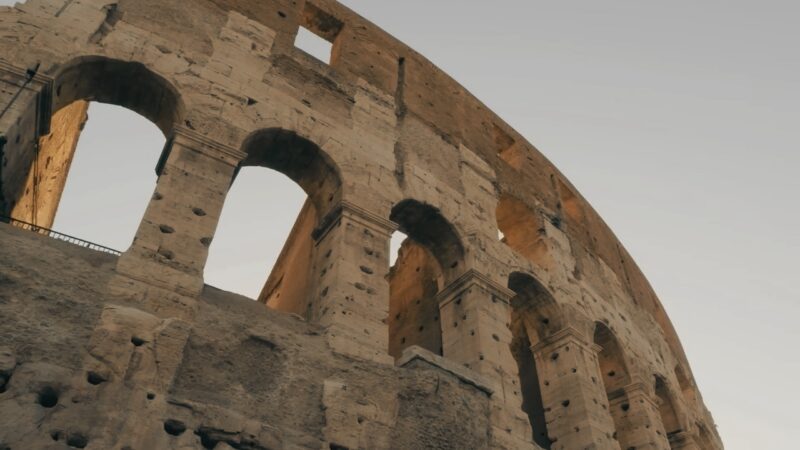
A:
39	202
379	139
75	368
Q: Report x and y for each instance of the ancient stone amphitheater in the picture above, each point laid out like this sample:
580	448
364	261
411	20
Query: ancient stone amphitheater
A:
512	319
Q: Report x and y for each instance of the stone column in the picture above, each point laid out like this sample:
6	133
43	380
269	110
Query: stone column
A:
637	419
350	296
475	315
574	399
171	246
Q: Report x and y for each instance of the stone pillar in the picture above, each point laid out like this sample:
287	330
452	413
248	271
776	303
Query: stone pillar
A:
475	315
350	296
171	246
637	419
574	399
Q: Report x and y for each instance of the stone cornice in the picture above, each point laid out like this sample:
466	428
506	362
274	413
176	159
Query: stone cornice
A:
636	389
204	145
356	214
473	278
565	334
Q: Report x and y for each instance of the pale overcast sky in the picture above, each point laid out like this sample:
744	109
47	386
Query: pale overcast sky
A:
677	120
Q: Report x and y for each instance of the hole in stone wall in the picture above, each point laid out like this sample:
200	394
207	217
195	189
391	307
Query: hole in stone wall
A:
47	397
77	440
137	341
314	45
95	378
174	427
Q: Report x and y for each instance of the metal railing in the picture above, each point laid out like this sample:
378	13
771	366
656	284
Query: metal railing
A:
56	235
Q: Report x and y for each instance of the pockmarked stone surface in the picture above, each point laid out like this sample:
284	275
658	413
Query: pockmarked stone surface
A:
511	319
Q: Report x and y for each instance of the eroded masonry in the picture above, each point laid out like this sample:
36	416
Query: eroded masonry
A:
548	336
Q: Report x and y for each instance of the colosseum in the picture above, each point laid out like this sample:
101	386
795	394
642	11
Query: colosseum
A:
512	318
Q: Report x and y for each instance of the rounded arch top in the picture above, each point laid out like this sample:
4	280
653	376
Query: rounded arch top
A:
300	159
613	363
128	84
536	306
425	224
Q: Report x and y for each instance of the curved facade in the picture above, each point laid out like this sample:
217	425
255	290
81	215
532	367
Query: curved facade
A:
508	280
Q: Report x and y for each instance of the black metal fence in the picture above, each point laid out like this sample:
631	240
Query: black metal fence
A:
56	235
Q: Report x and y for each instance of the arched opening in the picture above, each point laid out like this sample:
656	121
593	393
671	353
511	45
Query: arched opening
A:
666	409
261	209
522	230
612	362
535	316
283	175
429	257
615	377
94	184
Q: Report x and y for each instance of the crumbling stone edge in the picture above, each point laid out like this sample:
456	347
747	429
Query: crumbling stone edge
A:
417	353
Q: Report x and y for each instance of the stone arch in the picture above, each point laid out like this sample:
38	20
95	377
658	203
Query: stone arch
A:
300	159
46	161
666	407
431	256
612	359
522	230
290	285
616	377
129	84
535	316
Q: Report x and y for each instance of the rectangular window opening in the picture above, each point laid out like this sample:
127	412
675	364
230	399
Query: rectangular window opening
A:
507	148
314	45
317	33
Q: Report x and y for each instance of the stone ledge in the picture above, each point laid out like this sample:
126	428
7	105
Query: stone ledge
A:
414	353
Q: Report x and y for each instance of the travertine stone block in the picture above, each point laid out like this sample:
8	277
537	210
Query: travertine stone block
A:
351	263
171	245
